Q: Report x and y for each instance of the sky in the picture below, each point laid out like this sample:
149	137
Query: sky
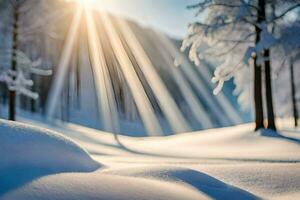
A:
169	16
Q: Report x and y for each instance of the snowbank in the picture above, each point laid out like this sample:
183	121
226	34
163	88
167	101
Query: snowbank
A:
27	152
228	163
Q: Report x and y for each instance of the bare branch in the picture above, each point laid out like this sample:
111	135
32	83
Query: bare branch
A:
286	12
205	5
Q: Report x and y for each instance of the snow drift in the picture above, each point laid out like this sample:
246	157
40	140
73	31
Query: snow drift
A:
227	163
28	152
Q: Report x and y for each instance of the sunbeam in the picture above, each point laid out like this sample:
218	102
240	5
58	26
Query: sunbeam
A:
184	87
63	65
233	117
105	95
195	81
164	98
142	101
127	49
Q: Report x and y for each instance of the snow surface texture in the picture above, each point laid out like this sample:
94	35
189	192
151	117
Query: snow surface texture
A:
228	163
27	152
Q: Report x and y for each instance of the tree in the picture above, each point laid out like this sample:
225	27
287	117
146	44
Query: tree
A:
18	77
291	47
245	30
15	42
293	91
285	59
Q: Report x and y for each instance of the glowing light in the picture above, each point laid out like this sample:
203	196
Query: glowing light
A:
63	65
164	98
103	84
141	99
85	3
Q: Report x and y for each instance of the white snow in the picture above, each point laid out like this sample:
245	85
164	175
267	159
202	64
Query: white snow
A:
227	163
27	152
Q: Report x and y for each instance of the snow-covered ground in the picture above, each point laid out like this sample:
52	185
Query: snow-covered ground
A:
228	163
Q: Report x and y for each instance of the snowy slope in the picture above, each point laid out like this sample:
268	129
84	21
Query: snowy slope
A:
228	163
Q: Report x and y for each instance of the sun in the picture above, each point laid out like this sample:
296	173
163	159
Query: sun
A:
85	3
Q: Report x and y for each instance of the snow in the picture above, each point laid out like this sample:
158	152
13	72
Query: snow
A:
27	152
20	80
227	163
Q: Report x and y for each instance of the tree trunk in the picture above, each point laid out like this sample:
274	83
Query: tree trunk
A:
268	79
78	78
293	88
258	103
269	97
12	94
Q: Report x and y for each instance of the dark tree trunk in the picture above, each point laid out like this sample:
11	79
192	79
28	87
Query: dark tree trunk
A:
269	97
12	94
32	102
293	88
268	77
78	78
258	103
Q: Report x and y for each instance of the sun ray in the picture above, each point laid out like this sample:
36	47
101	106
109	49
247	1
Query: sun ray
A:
187	69
197	110
144	106
105	95
164	98
63	65
198	84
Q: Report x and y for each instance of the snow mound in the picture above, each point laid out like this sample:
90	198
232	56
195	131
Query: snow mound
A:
99	186
197	180
27	152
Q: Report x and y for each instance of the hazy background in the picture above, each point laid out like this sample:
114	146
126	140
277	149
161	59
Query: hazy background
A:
170	16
